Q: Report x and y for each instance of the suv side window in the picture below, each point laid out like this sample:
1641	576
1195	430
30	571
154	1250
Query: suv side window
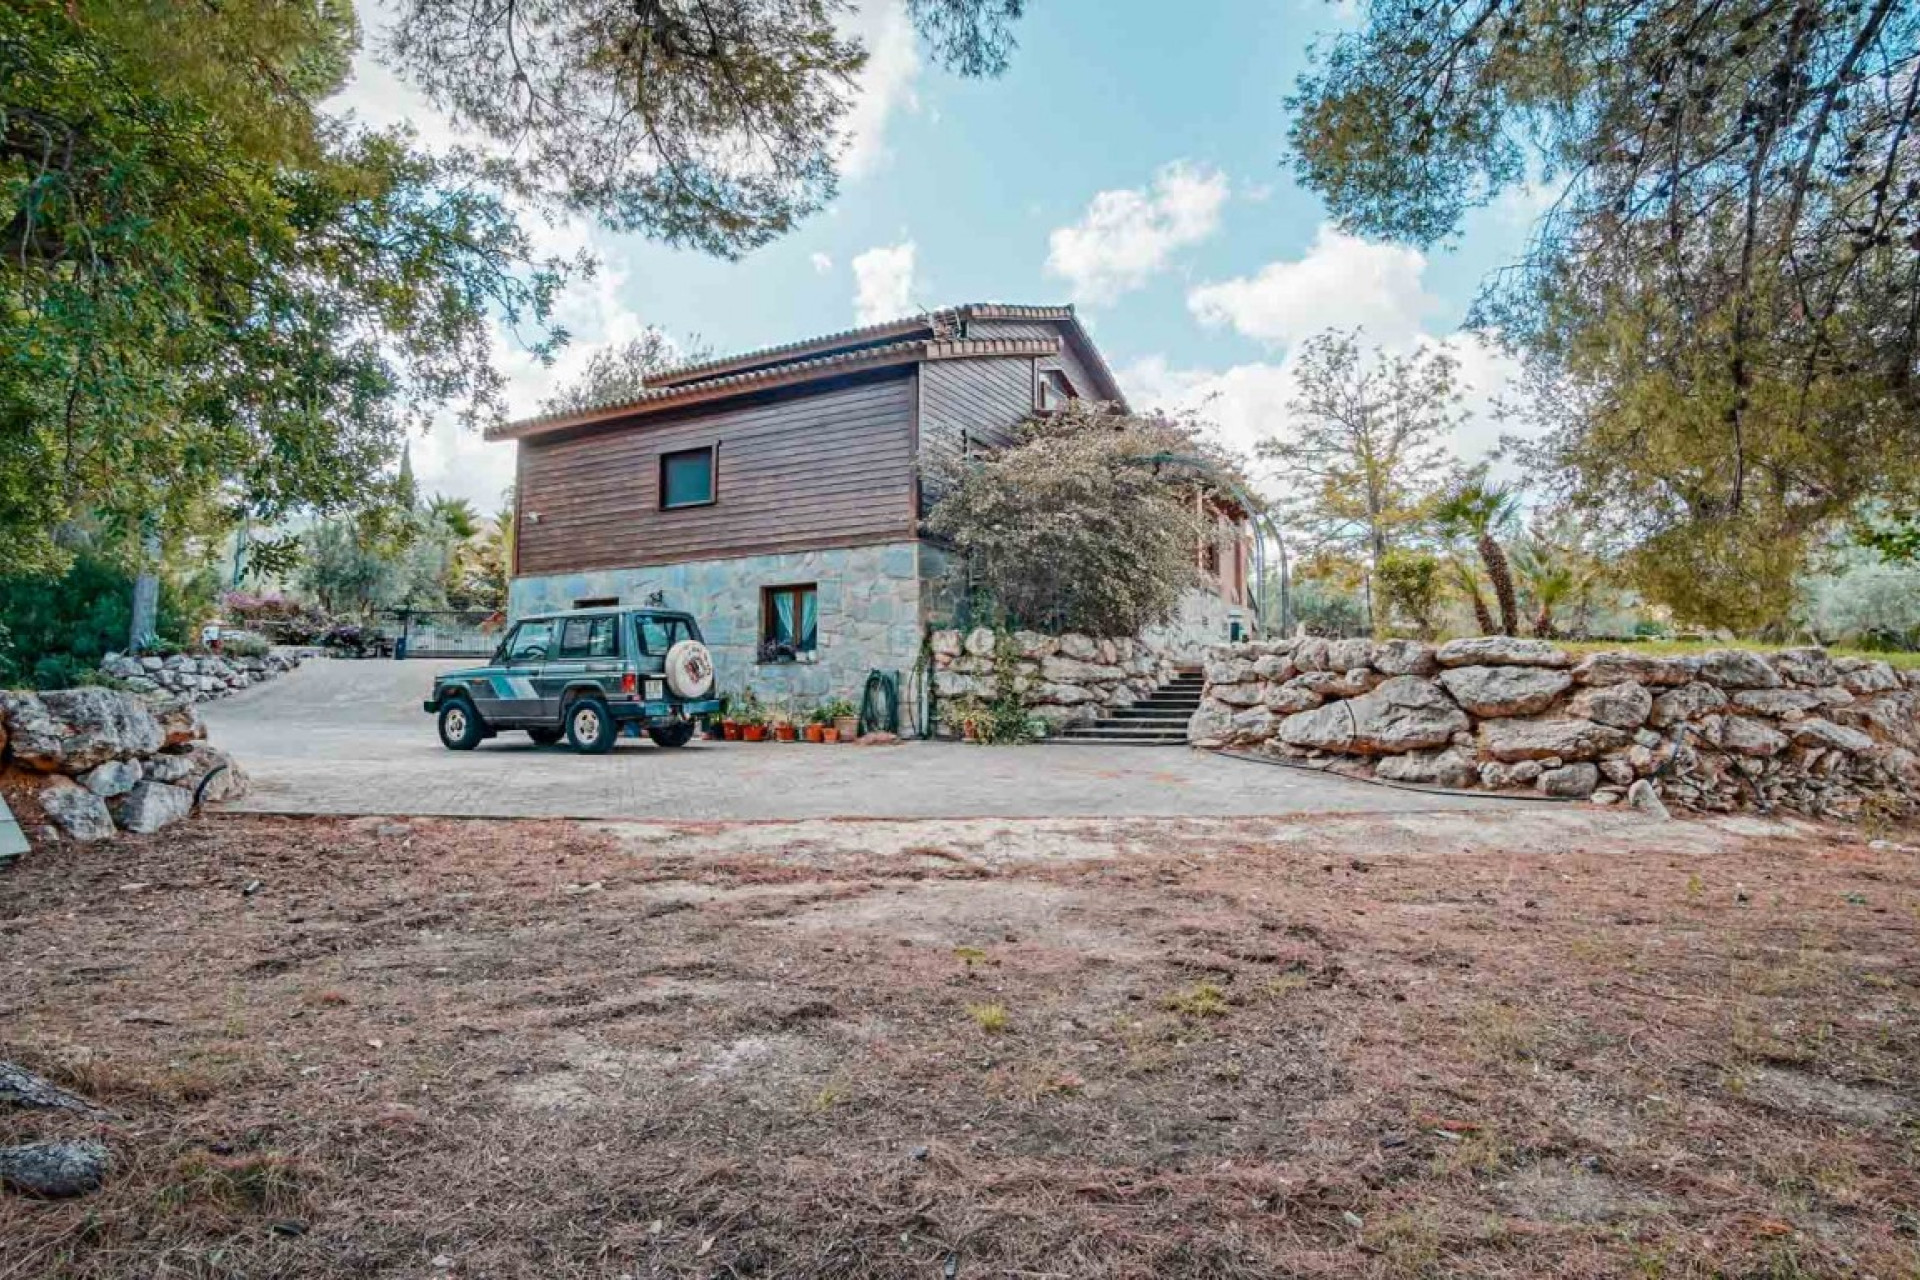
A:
532	642
660	634
589	638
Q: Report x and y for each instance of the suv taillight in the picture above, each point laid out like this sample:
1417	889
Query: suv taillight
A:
629	684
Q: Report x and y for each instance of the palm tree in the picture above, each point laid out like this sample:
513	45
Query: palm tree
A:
1477	509
1549	579
456	515
1467	583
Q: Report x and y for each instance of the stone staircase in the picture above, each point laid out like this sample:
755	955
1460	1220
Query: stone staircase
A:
1159	721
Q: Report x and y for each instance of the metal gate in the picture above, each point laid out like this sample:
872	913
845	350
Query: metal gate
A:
445	633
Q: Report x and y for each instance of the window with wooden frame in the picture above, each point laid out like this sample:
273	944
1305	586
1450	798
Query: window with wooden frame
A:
687	478
789	622
1052	391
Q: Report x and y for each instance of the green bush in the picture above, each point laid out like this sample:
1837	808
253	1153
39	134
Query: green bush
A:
55	630
244	644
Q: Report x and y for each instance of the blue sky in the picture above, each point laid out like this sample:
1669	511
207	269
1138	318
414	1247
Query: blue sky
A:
1133	166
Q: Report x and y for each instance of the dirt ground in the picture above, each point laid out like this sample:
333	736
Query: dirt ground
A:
1527	1043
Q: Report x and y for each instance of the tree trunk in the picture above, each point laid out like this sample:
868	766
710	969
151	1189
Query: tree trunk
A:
1501	577
1543	624
1482	617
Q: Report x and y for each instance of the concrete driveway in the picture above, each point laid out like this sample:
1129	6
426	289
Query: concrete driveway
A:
349	737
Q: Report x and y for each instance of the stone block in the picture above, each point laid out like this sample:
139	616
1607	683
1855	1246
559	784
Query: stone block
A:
1404	714
1404	658
1737	669
114	778
1535	740
1688	702
1639	668
1502	651
1505	691
75	811
1571	781
1624	706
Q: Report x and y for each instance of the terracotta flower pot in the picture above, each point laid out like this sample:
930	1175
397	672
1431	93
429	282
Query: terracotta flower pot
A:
784	733
829	734
730	730
848	726
754	732
816	733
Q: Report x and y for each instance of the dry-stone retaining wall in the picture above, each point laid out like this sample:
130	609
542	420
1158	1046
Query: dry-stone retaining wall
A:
198	678
84	763
1066	679
1720	730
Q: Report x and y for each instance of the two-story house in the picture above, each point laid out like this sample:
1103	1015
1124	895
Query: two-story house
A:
778	495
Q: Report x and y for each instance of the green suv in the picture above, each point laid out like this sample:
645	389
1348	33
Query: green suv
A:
587	676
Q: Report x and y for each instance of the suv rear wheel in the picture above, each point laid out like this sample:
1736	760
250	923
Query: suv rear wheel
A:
460	725
672	735
590	726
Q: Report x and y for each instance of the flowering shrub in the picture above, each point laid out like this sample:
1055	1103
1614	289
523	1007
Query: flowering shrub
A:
280	619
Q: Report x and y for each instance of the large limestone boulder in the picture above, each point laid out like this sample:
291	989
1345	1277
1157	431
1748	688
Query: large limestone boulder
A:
1639	668
1688	702
201	763
1815	732
1084	648
1569	781
1076	671
93	726
1404	658
1778	702
1862	677
979	642
1210	726
33	736
1810	668
1502	651
1451	767
1288	698
1505	691
1242	694
1512	740
1345	655
946	644
76	811
114	778
1737	669
1624	706
1746	736
1404	714
152	805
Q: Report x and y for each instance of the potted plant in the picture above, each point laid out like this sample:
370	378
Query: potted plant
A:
717	724
844	718
829	734
751	719
816	730
780	720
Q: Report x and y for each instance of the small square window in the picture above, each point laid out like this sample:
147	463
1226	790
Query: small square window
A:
686	478
789	622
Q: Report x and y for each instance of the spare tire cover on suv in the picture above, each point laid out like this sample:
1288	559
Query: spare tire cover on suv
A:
689	669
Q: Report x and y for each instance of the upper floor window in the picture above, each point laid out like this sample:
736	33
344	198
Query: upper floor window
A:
1053	391
686	478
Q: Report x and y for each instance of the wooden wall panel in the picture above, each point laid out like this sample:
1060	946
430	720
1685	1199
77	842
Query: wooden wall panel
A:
828	465
982	399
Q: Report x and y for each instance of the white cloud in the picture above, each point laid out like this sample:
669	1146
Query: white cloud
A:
1129	235
1248	403
1342	282
883	283
885	84
822	262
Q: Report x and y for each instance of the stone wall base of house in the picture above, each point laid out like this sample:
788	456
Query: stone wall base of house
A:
1721	730
1064	680
869	613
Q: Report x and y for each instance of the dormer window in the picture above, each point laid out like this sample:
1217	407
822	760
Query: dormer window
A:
1053	391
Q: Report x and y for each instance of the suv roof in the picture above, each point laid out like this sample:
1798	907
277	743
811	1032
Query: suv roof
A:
603	611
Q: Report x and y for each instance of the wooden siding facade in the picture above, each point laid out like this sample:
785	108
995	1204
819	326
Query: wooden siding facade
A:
963	403
829	464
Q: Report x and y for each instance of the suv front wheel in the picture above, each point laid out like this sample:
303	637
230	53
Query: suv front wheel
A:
460	726
590	727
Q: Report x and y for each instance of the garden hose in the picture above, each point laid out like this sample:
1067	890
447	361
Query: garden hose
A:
880	703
